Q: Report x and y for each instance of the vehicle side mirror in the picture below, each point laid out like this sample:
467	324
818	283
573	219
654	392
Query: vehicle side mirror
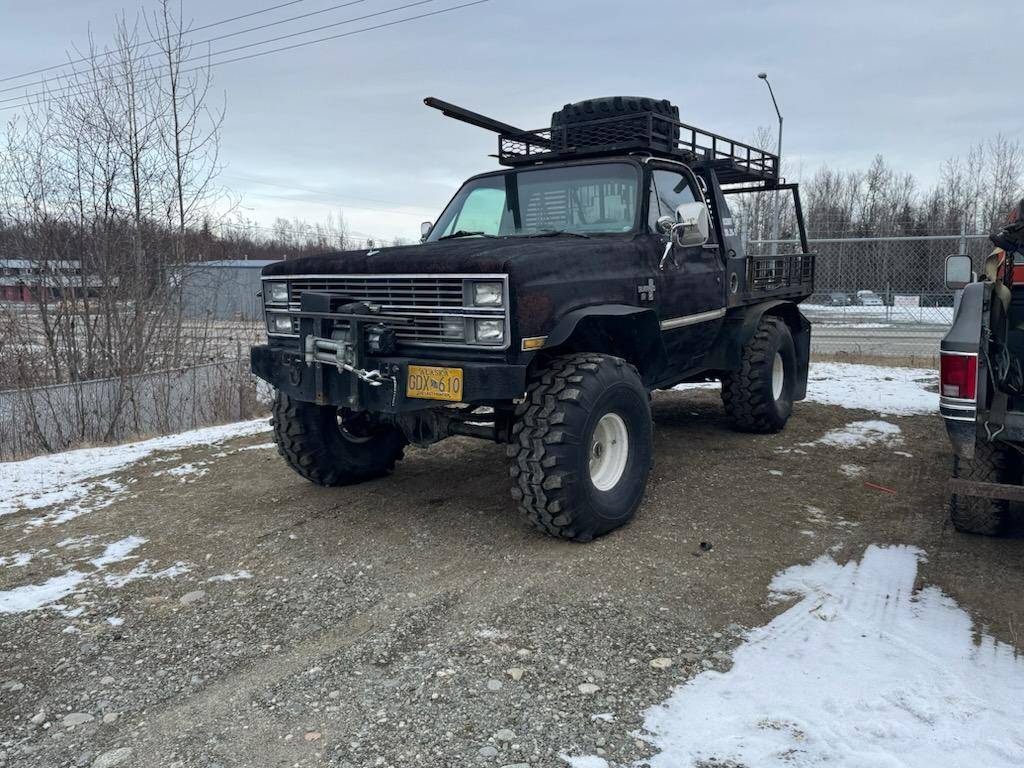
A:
425	228
958	272
692	225
665	224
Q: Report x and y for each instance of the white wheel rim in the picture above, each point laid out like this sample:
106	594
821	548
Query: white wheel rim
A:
609	451
778	376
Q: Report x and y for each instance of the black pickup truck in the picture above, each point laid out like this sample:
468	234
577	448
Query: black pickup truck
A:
541	309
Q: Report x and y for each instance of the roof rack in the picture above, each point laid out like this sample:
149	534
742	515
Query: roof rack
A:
735	162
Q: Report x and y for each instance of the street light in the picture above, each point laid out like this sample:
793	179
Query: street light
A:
778	212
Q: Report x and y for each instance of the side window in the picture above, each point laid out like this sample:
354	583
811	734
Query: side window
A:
482	212
671	189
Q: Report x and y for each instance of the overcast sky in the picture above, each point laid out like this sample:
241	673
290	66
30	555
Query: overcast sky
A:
340	126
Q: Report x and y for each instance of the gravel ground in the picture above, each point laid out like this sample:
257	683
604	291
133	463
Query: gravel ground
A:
413	621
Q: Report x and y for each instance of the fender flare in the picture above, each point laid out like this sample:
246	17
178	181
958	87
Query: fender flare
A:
741	323
637	329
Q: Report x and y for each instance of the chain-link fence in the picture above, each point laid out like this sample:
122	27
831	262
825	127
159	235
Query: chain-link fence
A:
881	296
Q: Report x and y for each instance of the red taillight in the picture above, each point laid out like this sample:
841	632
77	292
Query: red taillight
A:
958	375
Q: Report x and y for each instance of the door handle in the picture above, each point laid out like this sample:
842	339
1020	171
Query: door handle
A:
666	255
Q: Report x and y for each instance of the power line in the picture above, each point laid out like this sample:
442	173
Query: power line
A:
154	40
80	87
213	39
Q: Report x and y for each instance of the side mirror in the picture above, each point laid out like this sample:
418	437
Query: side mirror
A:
665	224
692	225
958	272
425	228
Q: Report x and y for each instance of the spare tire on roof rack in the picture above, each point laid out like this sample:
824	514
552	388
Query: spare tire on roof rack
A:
640	122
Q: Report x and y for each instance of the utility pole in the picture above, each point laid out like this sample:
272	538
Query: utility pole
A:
777	214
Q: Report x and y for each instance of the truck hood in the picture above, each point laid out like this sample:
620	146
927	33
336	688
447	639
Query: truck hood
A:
463	256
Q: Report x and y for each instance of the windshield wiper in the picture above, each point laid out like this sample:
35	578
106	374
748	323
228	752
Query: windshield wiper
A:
464	233
556	232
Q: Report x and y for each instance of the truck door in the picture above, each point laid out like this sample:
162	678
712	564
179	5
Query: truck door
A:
689	295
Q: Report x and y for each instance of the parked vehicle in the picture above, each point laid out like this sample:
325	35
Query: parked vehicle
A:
837	299
982	383
544	305
869	299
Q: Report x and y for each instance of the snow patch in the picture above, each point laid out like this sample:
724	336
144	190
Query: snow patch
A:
888	391
862	671
70	477
117	552
144	571
243	574
186	473
20	559
260	447
33	596
860	434
852	470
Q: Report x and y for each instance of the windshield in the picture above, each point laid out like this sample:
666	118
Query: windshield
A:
581	199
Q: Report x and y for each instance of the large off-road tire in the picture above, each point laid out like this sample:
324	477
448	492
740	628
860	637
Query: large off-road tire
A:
328	450
581	446
759	396
572	121
992	463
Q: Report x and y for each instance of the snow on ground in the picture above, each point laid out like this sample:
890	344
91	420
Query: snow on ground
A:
862	671
260	447
860	434
186	473
889	391
903	315
68	478
19	559
31	597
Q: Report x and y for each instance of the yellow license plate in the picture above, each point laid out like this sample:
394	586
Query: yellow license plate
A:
427	383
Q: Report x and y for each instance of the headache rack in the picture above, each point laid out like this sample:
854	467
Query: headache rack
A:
735	161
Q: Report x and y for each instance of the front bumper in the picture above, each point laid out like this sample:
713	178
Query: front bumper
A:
483	382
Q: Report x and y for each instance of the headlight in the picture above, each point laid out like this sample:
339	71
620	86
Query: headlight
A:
453	328
276	293
489	331
487	294
277	323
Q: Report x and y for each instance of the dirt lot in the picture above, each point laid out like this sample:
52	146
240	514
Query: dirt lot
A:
414	620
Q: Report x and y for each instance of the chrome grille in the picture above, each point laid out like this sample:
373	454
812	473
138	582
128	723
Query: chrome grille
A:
390	292
427	300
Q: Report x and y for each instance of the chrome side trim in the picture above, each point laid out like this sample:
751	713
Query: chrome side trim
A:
958	404
685	320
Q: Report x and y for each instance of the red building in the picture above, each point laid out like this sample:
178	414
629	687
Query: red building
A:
30	280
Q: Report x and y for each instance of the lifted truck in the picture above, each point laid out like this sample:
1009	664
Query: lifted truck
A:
542	308
982	384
